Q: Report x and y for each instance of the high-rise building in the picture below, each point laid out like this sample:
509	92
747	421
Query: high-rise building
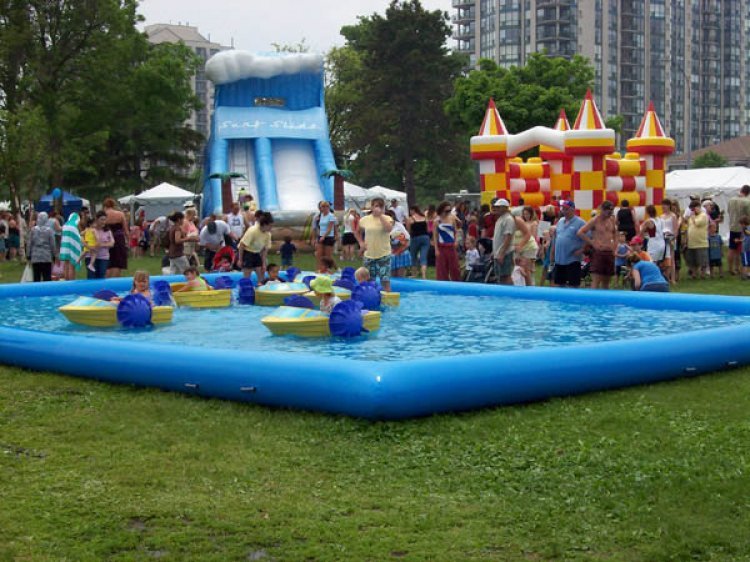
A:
690	57
202	87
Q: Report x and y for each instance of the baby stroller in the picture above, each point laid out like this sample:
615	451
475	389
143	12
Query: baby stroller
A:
483	272
225	251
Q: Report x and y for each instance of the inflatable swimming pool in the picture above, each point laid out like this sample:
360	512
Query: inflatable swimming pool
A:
368	379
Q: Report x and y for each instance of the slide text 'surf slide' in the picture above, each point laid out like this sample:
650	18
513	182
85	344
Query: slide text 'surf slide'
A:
270	125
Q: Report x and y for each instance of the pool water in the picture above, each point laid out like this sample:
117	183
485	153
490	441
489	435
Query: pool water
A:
425	325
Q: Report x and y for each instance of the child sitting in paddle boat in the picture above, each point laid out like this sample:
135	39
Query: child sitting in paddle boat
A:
361	275
141	284
327	266
194	281
273	274
323	287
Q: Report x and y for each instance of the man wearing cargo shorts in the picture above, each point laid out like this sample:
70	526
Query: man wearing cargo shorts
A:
601	233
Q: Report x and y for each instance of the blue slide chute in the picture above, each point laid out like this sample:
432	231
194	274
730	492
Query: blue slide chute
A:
270	126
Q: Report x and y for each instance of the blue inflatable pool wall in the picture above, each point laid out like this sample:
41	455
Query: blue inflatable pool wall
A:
390	390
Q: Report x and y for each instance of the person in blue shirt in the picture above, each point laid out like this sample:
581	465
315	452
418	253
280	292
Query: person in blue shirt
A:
568	247
287	252
646	275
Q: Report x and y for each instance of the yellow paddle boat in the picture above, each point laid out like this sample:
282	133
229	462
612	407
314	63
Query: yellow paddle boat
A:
388	298
305	322
218	298
103	314
273	294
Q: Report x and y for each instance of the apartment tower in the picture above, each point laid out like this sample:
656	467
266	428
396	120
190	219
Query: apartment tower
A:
690	57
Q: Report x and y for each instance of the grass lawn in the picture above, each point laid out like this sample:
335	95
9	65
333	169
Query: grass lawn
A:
92	471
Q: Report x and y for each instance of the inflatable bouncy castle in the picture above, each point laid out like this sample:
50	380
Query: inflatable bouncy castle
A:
269	126
577	162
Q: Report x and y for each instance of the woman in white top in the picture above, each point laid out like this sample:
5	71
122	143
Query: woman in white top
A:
653	229
671	227
348	242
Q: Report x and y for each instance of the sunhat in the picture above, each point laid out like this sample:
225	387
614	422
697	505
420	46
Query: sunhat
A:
322	284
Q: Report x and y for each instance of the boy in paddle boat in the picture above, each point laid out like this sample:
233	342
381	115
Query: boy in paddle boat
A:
194	281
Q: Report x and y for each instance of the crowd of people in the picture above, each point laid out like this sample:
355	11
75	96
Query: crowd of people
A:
497	243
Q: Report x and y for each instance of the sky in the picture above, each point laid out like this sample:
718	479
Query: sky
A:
255	25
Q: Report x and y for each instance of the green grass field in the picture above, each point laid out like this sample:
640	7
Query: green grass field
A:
92	471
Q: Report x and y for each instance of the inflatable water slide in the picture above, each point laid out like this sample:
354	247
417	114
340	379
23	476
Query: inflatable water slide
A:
269	124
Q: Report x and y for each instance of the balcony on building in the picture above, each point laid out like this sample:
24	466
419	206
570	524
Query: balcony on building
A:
465	31
462	3
464	15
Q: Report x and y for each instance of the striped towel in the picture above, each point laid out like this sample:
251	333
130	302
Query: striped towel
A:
70	245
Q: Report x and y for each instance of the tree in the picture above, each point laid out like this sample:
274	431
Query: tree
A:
22	155
78	77
525	96
343	92
710	159
406	75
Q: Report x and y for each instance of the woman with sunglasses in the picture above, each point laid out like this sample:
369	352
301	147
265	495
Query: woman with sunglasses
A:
444	236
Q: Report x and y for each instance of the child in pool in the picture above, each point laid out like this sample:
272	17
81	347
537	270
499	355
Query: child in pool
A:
361	275
327	266
194	281
323	287
141	284
273	274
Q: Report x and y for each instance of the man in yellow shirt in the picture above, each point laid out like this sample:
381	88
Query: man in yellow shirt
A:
376	245
696	255
254	246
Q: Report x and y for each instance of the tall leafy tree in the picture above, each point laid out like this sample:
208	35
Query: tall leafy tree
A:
405	75
79	79
525	96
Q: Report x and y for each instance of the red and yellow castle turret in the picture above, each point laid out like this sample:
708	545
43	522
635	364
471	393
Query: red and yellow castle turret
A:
489	148
561	165
588	142
654	147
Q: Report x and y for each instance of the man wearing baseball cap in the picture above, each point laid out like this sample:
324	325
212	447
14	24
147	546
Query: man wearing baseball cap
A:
568	247
502	241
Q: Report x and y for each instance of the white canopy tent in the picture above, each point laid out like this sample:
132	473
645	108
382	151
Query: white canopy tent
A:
355	197
387	194
163	200
720	184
